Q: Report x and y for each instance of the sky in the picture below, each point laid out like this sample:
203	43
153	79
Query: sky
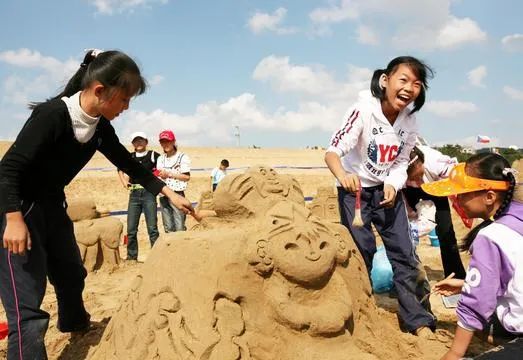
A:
281	73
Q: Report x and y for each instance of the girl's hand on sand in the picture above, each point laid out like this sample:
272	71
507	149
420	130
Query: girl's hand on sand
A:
389	196
350	182
448	286
16	235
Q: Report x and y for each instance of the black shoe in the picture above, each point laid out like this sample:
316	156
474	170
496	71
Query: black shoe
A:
76	328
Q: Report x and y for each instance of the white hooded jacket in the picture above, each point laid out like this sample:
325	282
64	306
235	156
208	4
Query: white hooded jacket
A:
372	148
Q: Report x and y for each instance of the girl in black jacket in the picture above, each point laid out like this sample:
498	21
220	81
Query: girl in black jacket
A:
56	142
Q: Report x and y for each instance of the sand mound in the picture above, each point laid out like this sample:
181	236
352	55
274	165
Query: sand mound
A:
279	284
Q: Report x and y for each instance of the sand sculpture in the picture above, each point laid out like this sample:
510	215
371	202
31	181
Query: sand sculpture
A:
325	204
279	284
97	237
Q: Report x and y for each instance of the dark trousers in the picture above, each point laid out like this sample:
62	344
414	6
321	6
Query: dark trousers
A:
392	225
141	200
23	280
173	218
444	229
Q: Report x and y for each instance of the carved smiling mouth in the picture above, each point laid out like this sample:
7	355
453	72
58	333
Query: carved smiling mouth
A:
313	257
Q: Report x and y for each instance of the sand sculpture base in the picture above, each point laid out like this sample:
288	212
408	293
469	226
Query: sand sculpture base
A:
269	281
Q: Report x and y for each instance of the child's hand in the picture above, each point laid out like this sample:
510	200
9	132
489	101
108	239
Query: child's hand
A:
180	202
389	195
163	174
350	182
16	235
448	286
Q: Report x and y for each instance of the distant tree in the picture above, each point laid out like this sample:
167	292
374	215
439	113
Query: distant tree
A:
510	154
456	151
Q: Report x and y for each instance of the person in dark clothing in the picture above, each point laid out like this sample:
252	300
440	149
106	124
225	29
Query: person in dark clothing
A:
140	200
428	165
56	142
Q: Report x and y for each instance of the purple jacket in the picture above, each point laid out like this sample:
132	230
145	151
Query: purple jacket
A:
494	280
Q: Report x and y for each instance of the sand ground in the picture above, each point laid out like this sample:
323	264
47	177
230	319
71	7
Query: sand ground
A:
105	290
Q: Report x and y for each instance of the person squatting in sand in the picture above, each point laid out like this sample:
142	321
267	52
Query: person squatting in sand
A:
428	165
371	150
491	299
59	138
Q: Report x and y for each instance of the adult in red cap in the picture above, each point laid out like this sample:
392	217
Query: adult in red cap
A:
175	170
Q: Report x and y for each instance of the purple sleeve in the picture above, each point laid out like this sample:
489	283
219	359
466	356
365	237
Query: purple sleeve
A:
487	277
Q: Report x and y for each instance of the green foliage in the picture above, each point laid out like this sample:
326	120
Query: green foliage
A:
456	151
459	152
510	154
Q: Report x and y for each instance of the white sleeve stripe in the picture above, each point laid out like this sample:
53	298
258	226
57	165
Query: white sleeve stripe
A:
345	129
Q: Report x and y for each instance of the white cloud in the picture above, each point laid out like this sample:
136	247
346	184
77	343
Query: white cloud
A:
322	103
243	111
335	13
404	23
477	75
311	80
27	58
513	42
367	35
48	74
456	32
261	22
156	79
109	7
513	93
451	108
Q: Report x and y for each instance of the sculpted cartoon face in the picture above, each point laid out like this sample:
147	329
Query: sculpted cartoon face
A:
267	181
297	245
303	255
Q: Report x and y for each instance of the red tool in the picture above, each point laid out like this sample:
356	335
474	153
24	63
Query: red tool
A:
4	330
358	221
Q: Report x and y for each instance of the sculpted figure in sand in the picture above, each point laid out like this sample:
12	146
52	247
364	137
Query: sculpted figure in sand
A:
97	238
325	204
283	285
297	255
254	192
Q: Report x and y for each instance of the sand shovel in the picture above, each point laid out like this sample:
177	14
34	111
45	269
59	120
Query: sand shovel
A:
358	221
4	330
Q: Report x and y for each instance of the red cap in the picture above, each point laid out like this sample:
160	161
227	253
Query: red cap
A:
167	135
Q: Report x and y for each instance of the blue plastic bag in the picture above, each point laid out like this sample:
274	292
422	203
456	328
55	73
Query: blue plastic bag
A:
381	273
434	241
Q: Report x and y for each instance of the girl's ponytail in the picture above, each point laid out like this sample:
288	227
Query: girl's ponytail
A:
375	88
113	69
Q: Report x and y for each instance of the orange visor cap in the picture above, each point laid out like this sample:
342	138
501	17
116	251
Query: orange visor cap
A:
459	182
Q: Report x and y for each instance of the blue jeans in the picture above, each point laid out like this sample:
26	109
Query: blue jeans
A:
173	219
140	200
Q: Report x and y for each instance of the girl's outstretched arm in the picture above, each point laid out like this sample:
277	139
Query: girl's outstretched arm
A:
460	344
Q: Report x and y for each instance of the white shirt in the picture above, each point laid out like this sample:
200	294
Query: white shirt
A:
179	163
217	175
437	165
372	148
84	125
